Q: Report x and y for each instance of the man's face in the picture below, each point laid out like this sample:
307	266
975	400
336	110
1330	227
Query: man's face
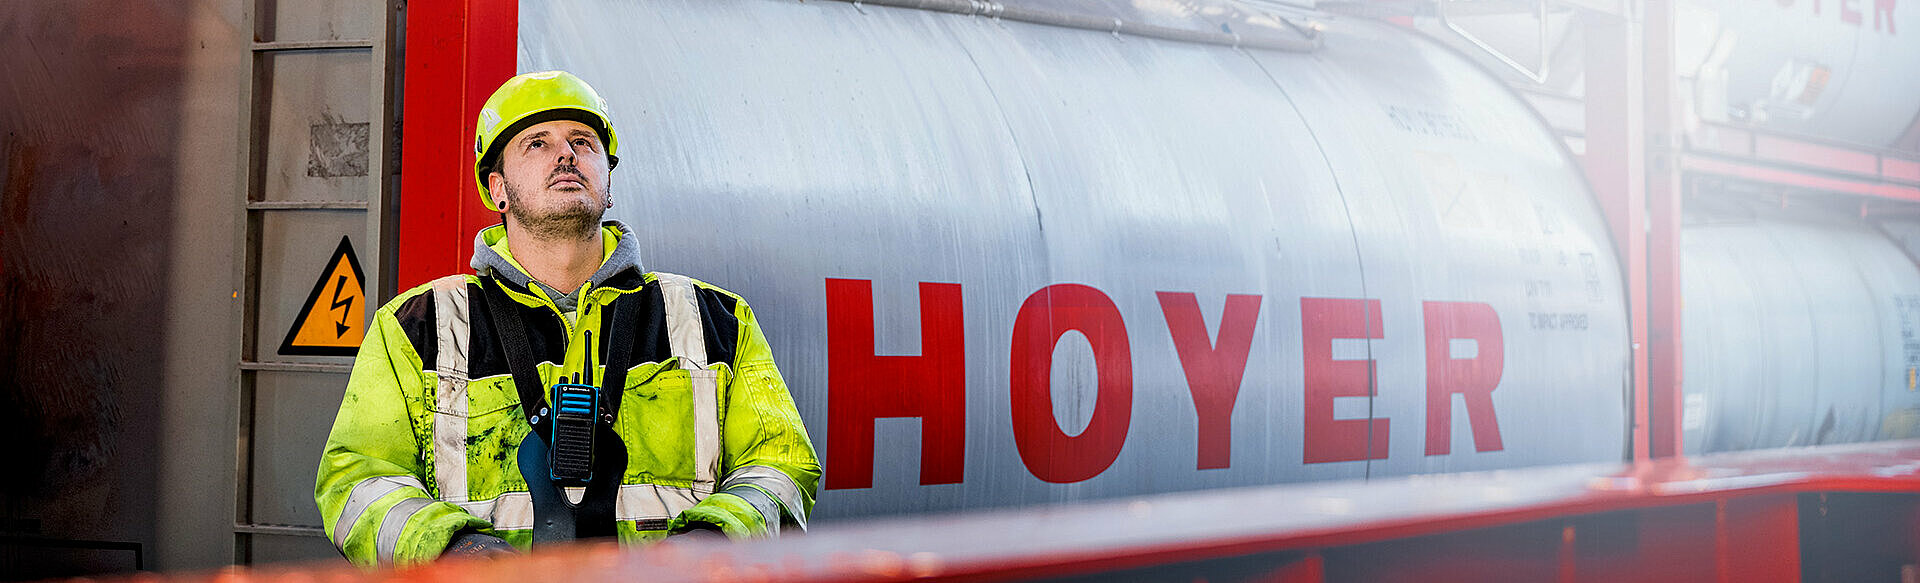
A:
554	179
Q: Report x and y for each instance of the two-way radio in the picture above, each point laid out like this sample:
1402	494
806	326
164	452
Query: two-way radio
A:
576	415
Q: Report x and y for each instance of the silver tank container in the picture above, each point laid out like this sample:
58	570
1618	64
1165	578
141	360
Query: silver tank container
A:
1838	69
1801	327
1380	186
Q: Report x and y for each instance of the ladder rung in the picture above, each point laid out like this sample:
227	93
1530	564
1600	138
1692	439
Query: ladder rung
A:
300	205
310	45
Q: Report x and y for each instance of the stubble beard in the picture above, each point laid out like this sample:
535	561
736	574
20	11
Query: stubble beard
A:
572	222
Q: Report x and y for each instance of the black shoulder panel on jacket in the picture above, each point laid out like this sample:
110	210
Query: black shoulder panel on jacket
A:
628	278
650	340
485	358
416	317
723	328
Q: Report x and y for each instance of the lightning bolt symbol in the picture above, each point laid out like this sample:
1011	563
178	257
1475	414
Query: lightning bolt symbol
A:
340	328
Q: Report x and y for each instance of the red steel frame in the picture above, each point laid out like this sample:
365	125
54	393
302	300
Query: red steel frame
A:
1664	359
1804	163
1616	168
1639	162
1836	513
1809	180
457	53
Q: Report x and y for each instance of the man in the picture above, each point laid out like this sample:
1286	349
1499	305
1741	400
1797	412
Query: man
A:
560	391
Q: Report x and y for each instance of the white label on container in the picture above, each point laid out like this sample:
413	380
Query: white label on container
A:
1693	412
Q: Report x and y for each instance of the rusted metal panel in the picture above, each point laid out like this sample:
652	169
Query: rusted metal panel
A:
89	218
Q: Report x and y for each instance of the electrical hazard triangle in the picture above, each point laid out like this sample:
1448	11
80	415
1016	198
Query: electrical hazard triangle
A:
334	317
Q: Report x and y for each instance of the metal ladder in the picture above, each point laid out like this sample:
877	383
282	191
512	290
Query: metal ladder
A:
320	166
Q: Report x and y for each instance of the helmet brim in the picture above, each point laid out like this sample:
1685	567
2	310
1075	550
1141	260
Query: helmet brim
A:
513	129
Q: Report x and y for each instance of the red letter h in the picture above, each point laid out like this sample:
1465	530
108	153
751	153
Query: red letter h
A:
863	386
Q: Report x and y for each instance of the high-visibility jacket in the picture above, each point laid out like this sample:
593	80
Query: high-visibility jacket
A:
425	443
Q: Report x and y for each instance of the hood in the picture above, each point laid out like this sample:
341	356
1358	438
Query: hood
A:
491	257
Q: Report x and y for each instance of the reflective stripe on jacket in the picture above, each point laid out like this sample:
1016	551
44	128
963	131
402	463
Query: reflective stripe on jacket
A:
425	442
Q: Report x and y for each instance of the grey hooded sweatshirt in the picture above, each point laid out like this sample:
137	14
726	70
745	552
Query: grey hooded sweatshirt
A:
488	260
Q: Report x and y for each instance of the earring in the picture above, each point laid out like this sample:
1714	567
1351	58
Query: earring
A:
609	202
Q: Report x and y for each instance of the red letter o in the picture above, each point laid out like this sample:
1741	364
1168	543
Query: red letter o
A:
1050	453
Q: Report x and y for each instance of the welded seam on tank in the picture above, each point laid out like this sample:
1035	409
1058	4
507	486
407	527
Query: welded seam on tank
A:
1880	325
1026	169
1359	260
1813	332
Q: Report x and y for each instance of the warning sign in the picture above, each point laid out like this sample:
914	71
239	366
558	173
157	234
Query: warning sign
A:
334	317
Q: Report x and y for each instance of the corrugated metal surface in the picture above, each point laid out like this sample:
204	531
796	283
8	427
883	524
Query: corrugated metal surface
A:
771	147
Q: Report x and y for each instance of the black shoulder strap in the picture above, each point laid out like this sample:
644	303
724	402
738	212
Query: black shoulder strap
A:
618	337
556	518
504	313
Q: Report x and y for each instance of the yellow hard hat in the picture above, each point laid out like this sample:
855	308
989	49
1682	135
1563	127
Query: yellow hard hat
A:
529	99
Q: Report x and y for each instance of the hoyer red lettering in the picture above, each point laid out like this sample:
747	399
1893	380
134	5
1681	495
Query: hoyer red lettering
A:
1849	12
864	386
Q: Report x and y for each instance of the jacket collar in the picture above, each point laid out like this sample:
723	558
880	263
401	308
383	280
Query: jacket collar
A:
491	257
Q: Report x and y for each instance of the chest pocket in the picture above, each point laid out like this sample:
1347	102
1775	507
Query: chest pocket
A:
661	418
686	335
